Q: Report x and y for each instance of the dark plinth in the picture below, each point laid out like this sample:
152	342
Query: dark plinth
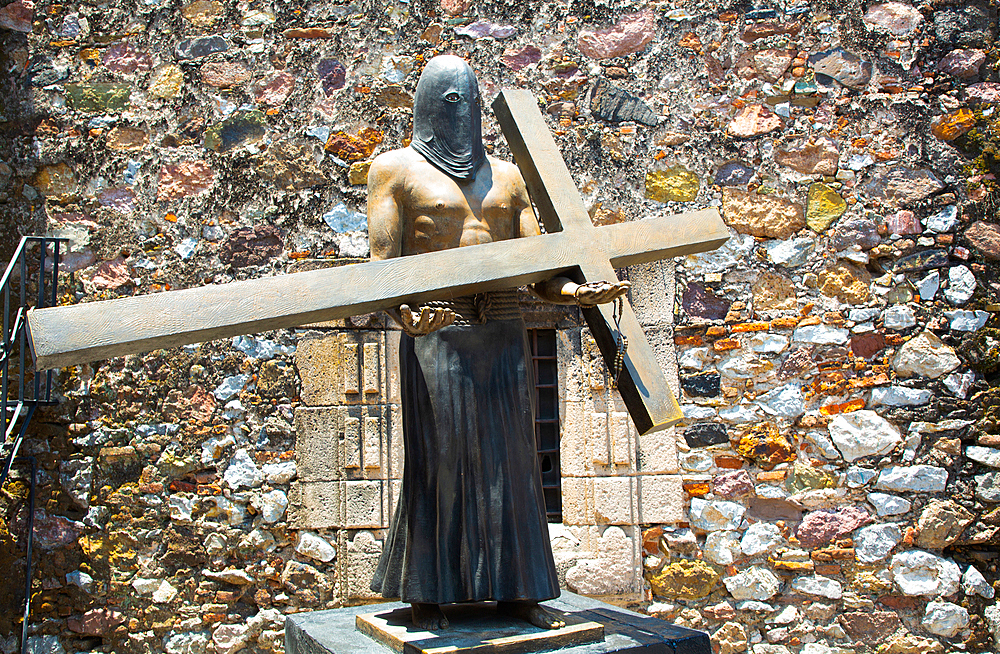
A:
335	631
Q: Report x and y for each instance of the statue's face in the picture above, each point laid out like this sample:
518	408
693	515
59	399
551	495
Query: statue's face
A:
447	116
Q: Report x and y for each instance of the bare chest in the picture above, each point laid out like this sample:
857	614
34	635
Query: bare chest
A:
440	213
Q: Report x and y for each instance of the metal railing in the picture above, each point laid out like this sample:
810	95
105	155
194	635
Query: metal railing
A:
31	280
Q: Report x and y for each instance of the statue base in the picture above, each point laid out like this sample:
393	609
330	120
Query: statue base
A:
592	627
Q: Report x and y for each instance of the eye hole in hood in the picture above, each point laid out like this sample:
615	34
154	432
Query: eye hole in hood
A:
447	117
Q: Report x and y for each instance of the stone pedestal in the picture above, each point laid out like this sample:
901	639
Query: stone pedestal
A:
593	627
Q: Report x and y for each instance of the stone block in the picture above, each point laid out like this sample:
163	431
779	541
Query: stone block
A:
315	505
577	500
661	499
598	443
574	457
391	375
363	504
652	292
608	563
362	555
622	438
344	442
342	368
318	449
614	499
657	452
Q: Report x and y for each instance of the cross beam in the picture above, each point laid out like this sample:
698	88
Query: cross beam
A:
80	333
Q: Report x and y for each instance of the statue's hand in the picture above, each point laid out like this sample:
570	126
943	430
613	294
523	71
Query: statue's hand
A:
599	292
428	320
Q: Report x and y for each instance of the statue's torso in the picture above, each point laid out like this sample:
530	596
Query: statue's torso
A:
439	213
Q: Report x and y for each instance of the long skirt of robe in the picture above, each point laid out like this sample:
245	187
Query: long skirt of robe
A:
470	522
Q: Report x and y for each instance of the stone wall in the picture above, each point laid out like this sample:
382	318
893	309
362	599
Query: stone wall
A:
838	461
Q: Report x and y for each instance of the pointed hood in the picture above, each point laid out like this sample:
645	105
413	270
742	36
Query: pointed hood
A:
447	117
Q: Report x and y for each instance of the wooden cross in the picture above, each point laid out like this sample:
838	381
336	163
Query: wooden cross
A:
572	246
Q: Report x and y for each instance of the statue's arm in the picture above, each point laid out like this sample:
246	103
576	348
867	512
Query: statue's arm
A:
560	290
385	238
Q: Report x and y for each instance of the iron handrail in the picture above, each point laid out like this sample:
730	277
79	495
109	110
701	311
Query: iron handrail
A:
15	415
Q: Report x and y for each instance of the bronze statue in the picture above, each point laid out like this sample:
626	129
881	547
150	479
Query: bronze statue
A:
470	521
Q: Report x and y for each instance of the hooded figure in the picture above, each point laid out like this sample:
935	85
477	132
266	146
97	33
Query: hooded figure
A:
447	118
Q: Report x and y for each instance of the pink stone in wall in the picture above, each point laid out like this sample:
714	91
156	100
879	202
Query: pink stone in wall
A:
984	92
963	64
821	527
455	7
518	58
753	120
183	179
224	74
274	89
630	35
903	222
733	484
18	15
123	57
96	622
111	274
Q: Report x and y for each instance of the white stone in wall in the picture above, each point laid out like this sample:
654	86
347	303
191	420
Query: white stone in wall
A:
43	645
791	252
740	414
230	576
315	547
715	514
961	285
736	250
863	314
785	401
821	335
182	505
187	642
768	343
271	505
898	316
821	441
863	433
754	583
926	356
959	384
886	504
164	593
787	615
230	386
973	582
694	412
279	473
722	547
696	358
760	537
874	542
992	616
230	638
243	471
929	285
900	396
696	461
818	586
945	619
964	320
918	478
986	455
917	572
